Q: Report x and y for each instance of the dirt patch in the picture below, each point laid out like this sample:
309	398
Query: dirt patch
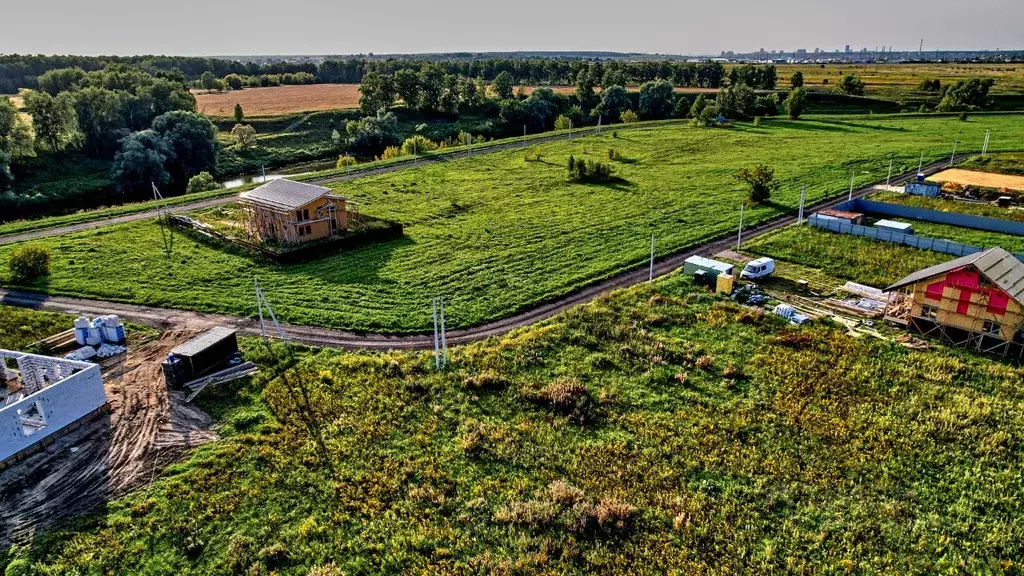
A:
980	179
147	428
277	100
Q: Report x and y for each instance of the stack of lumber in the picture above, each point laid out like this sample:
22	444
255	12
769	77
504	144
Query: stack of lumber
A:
228	374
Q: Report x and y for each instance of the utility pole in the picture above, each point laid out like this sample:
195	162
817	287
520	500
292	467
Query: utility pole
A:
920	164
739	236
889	176
570	130
261	301
984	147
598	123
651	278
524	134
953	156
800	213
444	337
263	168
469	144
852	176
437	351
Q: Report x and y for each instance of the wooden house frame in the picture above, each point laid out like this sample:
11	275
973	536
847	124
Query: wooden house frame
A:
975	301
292	212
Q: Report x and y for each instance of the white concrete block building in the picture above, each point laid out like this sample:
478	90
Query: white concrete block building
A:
40	396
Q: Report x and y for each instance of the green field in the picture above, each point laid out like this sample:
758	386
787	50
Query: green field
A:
863	260
654	431
20	327
496	233
980	238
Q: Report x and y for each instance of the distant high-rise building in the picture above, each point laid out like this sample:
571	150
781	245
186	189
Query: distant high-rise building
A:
848	49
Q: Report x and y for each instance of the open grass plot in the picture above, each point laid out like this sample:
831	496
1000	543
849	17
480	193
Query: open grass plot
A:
495	233
656	431
872	262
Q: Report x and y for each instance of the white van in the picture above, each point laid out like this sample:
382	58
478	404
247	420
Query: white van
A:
760	268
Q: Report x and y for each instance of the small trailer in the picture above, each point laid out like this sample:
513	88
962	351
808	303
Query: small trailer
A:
901	227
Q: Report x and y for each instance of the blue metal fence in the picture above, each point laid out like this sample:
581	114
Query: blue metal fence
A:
922	242
936	216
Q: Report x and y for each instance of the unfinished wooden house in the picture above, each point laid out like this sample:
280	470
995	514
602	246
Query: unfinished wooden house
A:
976	301
292	212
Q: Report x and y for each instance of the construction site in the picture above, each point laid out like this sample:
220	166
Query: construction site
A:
75	433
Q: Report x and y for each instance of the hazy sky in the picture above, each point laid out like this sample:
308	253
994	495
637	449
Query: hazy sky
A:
208	27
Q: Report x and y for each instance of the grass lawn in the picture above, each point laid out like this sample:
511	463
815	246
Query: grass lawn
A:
1006	163
20	327
980	238
863	260
658	430
495	233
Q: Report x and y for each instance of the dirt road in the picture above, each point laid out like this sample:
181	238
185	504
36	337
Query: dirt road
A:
146	429
314	336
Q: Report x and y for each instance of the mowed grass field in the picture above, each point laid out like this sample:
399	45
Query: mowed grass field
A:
898	79
277	100
660	430
494	234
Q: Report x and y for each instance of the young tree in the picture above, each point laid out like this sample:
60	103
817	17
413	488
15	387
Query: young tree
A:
53	120
563	123
15	135
628	117
796	102
585	89
655	99
614	101
736	101
28	263
761	180
60	80
239	114
682	107
966	95
245	134
797	79
207	80
699	104
852	85
503	86
140	161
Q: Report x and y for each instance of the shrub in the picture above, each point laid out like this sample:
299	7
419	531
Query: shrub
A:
705	362
628	117
588	171
201	183
486	380
761	180
615	516
238	554
326	570
390	152
417	145
563	123
852	85
757	121
28	263
796	102
963	116
612	154
570	397
345	160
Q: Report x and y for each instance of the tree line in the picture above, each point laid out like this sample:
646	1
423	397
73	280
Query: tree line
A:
22	71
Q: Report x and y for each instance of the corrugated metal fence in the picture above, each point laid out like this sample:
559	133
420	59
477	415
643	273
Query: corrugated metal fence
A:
922	242
936	216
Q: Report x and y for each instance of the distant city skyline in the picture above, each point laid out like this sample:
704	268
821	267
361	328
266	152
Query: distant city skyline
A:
319	27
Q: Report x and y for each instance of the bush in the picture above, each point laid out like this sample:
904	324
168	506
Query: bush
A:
852	85
963	116
245	135
588	171
390	152
628	117
761	180
563	123
417	145
570	397
201	183
345	160
796	102
28	263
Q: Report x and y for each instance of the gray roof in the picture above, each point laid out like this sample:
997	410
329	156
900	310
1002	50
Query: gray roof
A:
997	265
203	341
284	194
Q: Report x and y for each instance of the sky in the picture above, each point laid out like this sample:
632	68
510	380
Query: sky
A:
318	27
